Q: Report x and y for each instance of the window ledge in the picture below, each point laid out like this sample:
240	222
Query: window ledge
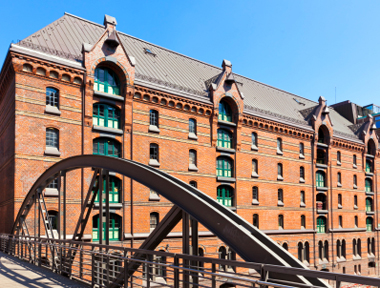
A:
324	261
370	212
280	203
52	110
228	150
324	166
51	151
358	257
338	163
112	205
192	136
279	152
322	145
340	206
107	129
255	175
369	193
354	166
302	156
355	187
280	178
225	179
192	167
226	123
110	96
154	197
306	263
370	256
321	188
355	207
369	156
51	192
369	174
340	259
153	128
254	148
320	211
339	185
154	162
255	202
302	180
302	205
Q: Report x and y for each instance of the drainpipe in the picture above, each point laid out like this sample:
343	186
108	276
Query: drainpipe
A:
313	195
331	212
377	215
131	181
82	128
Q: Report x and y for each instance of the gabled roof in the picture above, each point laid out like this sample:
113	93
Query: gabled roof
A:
173	72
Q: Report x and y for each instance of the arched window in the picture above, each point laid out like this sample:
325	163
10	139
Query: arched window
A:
322	138
338	249
355	181
52	97
368	204
302	174
338	157
192	158
52	138
279	145
369	223
321	156
303	201
193	126
224	167
255	195
339	179
114	228
53	220
344	248
326	248
222	255
339	200
106	116
255	170
356	222
224	139
153	118
279	172
321	201
307	252
114	190
285	246
225	195
280	221
371	147
27	68
354	160
303	252
41	71
303	221
321	224
320	179
194	184
300	251
359	247
225	113
340	222
106	81
280	196
368	185
254	140
302	150
369	166
107	147
355	201
255	220
154	220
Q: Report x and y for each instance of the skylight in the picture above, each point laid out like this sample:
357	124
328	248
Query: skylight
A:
299	102
148	51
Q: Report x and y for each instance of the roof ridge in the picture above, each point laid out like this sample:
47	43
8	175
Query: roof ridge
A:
80	18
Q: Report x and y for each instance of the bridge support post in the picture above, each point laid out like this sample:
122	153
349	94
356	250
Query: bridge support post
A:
185	247
194	246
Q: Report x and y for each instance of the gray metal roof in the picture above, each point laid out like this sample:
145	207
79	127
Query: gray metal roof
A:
177	73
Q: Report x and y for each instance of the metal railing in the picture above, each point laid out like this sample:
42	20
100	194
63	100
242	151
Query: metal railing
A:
111	266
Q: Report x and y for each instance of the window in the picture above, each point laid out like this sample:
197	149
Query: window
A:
52	141
356	222
41	71
52	97
371	246
303	252
114	189
254	141
27	68
321	158
285	246
279	146
302	151
53	184
54	74
355	201
106	116
154	220
368	205
355	181
340	201
224	167
303	221
193	160
107	147
340	222
153	155
368	185
255	195
341	249
255	168
320	179
302	174
323	248
194	184
280	194
321	224
192	127
280	221
225	113
371	147
303	198
279	172
338	157
225	195
368	166
153	121
106	81
354	160
369	223
321	136
224	139
255	220
339	179
114	228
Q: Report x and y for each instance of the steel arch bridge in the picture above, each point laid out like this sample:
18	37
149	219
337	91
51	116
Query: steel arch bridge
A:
246	240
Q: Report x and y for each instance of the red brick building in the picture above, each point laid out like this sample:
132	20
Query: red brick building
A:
293	167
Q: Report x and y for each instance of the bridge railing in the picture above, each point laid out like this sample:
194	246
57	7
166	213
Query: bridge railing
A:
100	266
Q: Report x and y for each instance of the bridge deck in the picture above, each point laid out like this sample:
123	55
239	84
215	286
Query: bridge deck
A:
15	273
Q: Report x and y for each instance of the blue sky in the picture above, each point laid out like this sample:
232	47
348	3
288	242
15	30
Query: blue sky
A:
304	47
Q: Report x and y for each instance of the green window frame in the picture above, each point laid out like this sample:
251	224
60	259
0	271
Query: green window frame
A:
224	167
114	228
321	225
114	190
106	147
368	185
225	112
106	81
224	139
368	204
106	116
369	224
368	166
320	179
225	195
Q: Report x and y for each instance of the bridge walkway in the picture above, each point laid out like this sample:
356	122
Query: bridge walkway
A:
15	273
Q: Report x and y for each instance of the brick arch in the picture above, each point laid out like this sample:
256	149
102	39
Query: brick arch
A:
233	100
118	64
